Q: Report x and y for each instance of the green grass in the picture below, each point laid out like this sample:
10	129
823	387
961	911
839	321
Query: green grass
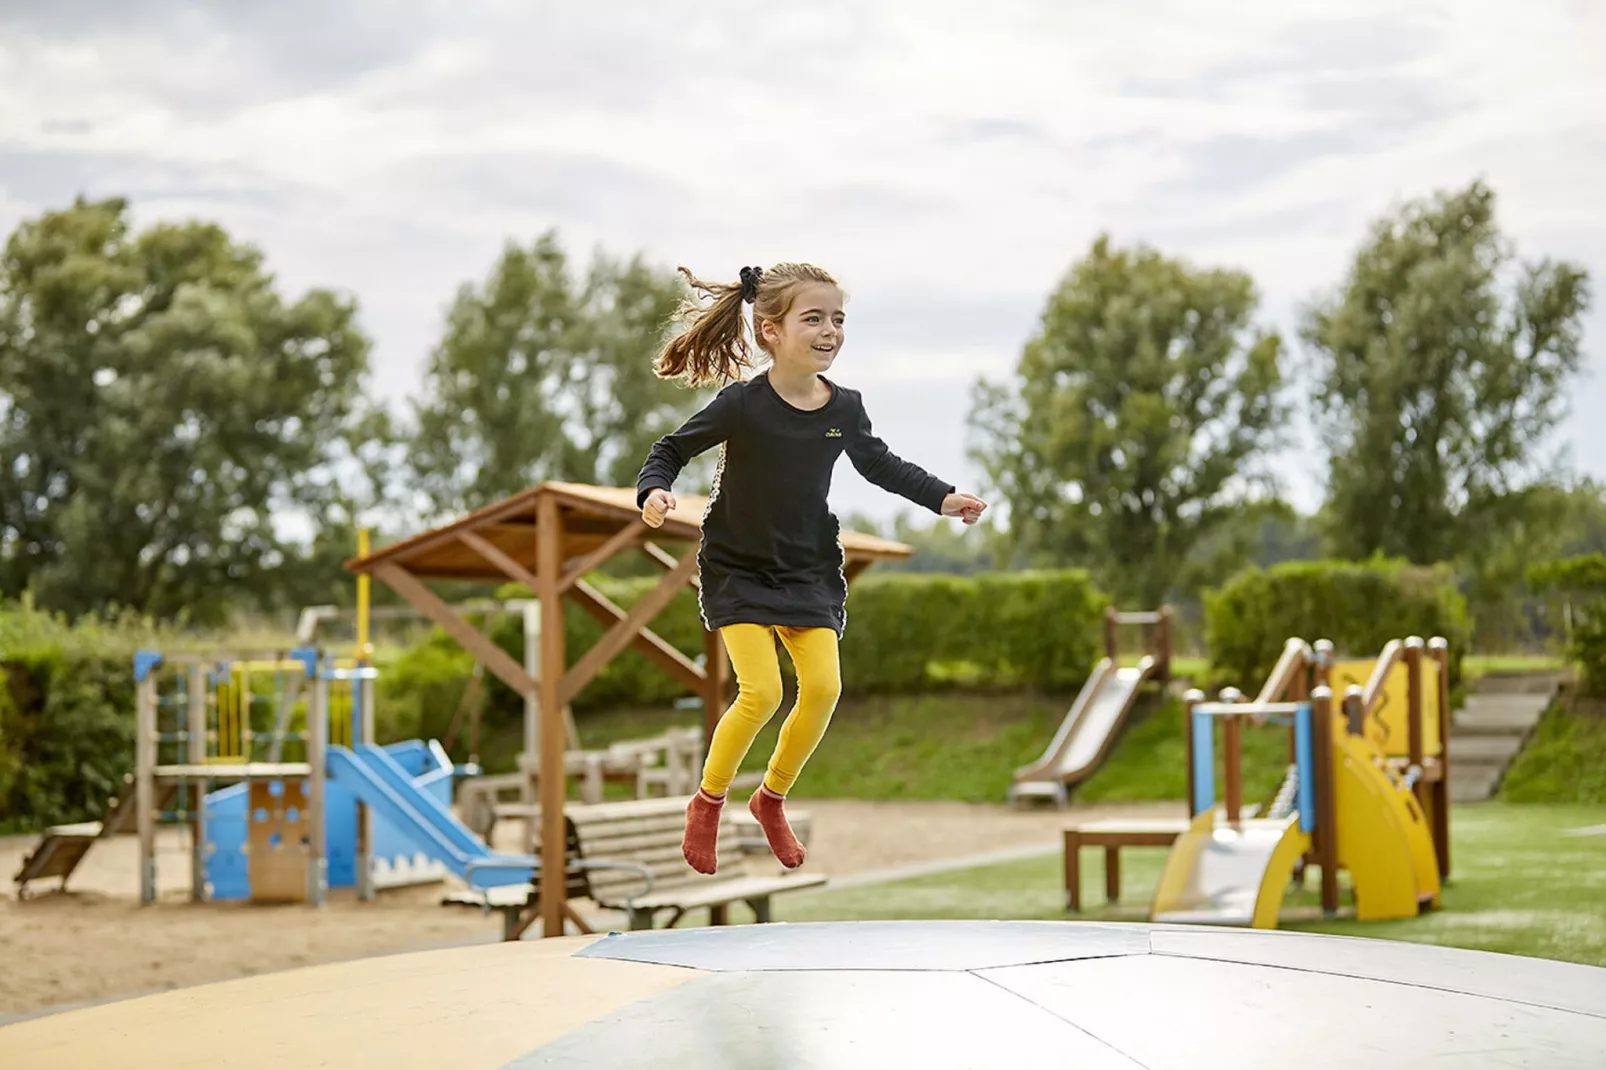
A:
1565	760
1519	886
961	746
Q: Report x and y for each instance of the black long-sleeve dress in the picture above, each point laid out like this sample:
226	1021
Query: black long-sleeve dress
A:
771	550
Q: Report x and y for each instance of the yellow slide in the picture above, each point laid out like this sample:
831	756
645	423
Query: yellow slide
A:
1383	836
1223	874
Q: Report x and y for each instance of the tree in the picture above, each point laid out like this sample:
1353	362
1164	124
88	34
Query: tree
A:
1142	410
538	377
1438	385
160	403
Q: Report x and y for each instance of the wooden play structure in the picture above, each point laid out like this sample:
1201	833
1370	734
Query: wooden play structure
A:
548	538
1365	791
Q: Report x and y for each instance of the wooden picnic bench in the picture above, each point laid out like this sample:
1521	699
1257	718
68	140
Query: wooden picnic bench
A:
626	856
1112	835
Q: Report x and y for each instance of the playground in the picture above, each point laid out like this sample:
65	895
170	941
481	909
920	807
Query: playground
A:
175	943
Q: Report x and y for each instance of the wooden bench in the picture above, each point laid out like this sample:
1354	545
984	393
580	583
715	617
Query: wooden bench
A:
626	856
1112	835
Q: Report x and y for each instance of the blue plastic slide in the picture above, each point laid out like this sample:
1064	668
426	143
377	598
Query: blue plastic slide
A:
375	779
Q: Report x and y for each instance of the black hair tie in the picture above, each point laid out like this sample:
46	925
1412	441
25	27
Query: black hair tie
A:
750	277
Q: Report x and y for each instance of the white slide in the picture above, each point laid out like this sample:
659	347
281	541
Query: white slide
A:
1085	735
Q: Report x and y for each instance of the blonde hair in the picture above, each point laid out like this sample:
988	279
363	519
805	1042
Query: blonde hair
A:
714	346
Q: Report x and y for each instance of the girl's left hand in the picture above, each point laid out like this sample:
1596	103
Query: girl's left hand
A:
967	507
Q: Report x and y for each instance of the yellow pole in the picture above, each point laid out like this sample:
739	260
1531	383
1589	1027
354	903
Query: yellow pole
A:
364	649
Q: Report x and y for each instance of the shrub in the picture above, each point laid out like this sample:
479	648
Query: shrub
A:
906	632
1360	606
1581	583
66	716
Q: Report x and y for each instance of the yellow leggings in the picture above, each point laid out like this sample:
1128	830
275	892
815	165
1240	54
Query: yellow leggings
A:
758	696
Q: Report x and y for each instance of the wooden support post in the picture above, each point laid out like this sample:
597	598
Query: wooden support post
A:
362	731
470	638
1232	760
1162	645
1298	691
1189	700
1321	708
1112	647
1439	651
317	758
195	749
532	703
554	782
625	630
716	666
620	540
1413	708
646	640
145	783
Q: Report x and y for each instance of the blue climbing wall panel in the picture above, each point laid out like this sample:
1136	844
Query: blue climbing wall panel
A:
397	859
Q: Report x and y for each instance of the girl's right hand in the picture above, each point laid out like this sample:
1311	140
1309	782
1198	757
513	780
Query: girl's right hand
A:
656	507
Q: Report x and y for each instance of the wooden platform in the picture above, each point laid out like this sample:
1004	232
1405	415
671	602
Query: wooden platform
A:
233	770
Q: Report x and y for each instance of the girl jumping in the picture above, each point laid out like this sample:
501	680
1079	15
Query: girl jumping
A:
770	557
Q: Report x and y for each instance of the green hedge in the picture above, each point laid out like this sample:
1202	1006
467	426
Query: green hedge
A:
66	718
1581	582
1360	606
906	633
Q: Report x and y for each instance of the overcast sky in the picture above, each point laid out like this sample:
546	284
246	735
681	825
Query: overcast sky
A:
946	160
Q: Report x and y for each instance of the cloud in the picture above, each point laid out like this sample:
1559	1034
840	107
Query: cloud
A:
948	168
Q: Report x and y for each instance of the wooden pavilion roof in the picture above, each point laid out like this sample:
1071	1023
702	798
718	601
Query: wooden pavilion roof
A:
594	519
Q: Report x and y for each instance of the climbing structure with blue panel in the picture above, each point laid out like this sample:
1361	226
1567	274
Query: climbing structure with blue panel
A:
285	793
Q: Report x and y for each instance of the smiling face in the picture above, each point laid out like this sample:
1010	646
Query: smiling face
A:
809	334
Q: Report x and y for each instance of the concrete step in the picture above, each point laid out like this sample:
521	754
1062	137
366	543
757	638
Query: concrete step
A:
1483	750
1496	714
1464	730
1473	783
1519	683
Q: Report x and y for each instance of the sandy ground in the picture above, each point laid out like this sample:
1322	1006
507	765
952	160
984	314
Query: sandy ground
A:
96	942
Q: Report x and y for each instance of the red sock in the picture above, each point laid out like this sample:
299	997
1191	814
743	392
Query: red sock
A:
702	831
769	808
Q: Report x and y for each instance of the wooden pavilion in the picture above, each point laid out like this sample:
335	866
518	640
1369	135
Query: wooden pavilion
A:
548	538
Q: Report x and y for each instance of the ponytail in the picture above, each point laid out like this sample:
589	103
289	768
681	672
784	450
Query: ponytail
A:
715	346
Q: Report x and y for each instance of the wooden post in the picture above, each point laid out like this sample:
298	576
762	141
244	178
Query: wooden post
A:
1232	759
145	783
1298	691
1323	651
1190	699
1162	642
715	666
195	710
532	698
1321	708
1413	708
1112	648
362	731
317	757
554	782
1439	651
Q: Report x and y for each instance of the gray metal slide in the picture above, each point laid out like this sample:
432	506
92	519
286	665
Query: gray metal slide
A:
1085	735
